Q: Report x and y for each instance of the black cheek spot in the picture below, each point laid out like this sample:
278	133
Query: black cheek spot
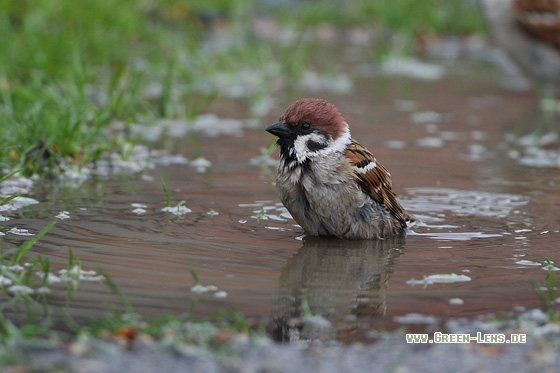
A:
314	146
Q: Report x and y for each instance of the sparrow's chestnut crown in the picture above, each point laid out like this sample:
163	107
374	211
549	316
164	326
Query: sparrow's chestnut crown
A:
307	114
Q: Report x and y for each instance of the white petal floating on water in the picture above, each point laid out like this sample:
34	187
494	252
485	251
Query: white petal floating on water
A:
212	213
166	160
395	144
533	139
180	209
201	164
17	203
14	268
415	318
140	208
51	278
91	278
20	232
16	185
74	176
43	290
412	68
426	117
4	281
456	301
77	273
528	263
221	294
537	157
429	142
88	273
20	290
63	215
250	204
208	124
200	289
23	201
448	278
212	126
439	279
339	83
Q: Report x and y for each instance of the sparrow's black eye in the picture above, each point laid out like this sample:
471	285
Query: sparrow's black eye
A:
305	126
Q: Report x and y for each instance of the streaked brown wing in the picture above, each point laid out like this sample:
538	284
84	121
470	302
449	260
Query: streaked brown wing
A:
375	180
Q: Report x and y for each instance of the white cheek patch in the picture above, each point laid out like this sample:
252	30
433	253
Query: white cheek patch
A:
301	145
342	142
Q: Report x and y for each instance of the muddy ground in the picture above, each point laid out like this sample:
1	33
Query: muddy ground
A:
541	353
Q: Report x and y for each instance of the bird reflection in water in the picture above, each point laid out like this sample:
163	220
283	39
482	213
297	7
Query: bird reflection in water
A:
332	286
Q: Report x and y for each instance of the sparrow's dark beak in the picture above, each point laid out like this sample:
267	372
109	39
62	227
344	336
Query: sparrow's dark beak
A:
280	129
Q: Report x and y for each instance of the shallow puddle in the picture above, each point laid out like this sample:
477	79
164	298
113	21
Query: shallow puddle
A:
488	222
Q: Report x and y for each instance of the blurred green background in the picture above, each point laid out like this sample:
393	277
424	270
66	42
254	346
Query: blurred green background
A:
74	74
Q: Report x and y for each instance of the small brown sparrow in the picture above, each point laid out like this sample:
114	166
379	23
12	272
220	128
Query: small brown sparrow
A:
330	184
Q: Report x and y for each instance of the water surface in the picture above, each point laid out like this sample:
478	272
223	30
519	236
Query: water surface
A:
488	222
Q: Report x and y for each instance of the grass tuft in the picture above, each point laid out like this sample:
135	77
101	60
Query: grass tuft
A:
547	294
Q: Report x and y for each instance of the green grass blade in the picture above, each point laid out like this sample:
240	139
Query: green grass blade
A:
20	253
167	196
195	277
7	199
115	290
4	178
